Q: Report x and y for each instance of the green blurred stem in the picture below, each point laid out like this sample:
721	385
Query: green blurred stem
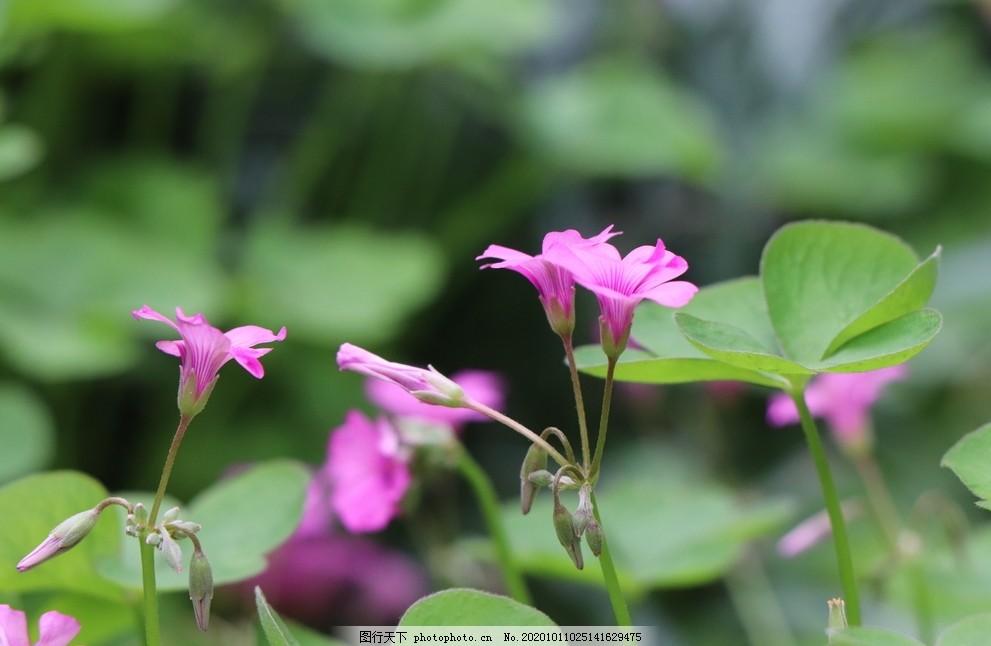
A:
488	503
569	350
152	637
616	600
841	541
600	441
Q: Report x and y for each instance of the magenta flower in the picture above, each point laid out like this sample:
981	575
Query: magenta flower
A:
812	531
428	386
479	385
54	628
367	472
64	537
203	349
844	400
620	284
555	285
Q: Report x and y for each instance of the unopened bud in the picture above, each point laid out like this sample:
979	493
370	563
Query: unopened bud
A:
140	514
565	529
170	550
837	615
65	536
584	512
594	536
170	515
534	462
200	588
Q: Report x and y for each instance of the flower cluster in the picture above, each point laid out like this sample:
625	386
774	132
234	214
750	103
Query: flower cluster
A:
620	283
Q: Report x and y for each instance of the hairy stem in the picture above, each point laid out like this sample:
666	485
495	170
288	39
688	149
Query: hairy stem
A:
600	441
569	350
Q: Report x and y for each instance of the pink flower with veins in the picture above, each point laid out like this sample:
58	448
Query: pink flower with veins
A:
54	628
621	283
480	385
203	349
555	285
843	399
367	473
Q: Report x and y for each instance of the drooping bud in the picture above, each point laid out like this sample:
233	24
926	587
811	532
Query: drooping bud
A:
200	587
170	550
535	461
65	536
594	536
583	514
565	529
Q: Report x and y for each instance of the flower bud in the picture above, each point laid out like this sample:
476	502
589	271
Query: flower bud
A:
584	512
65	536
170	550
594	536
200	587
141	514
170	515
534	462
566	535
837	615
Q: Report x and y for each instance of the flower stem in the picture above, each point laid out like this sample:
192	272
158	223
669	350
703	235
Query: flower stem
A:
152	637
841	542
616	600
600	441
569	350
488	503
167	469
519	428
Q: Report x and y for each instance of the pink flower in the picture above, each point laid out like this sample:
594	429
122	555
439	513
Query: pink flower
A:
367	473
203	349
54	628
428	386
555	285
620	284
812	531
844	400
64	537
479	385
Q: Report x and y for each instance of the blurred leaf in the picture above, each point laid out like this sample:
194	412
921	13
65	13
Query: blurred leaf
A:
870	636
85	15
20	150
970	459
967	632
275	629
821	279
326	284
31	508
402	34
464	607
26	432
243	518
669	358
618	118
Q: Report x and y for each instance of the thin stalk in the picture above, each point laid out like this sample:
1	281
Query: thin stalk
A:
841	541
600	441
519	428
616	600
569	350
167	469
488	503
152	637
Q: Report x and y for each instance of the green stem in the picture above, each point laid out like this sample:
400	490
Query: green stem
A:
150	592
600	441
569	350
489	505
616	600
841	542
519	428
167	469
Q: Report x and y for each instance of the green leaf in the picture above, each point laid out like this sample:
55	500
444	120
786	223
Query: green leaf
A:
86	15
732	345
870	636
465	607
886	345
20	150
243	518
824	280
967	632
30	508
275	629
970	460
26	432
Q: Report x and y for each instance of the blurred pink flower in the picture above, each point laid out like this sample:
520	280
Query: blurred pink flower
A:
479	385
844	400
54	628
812	531
203	349
555	285
427	385
367	473
621	283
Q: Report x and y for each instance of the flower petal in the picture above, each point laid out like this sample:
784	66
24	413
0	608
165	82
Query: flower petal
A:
249	335
147	313
56	629
13	627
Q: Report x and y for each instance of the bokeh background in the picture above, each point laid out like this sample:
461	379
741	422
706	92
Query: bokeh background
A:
335	166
